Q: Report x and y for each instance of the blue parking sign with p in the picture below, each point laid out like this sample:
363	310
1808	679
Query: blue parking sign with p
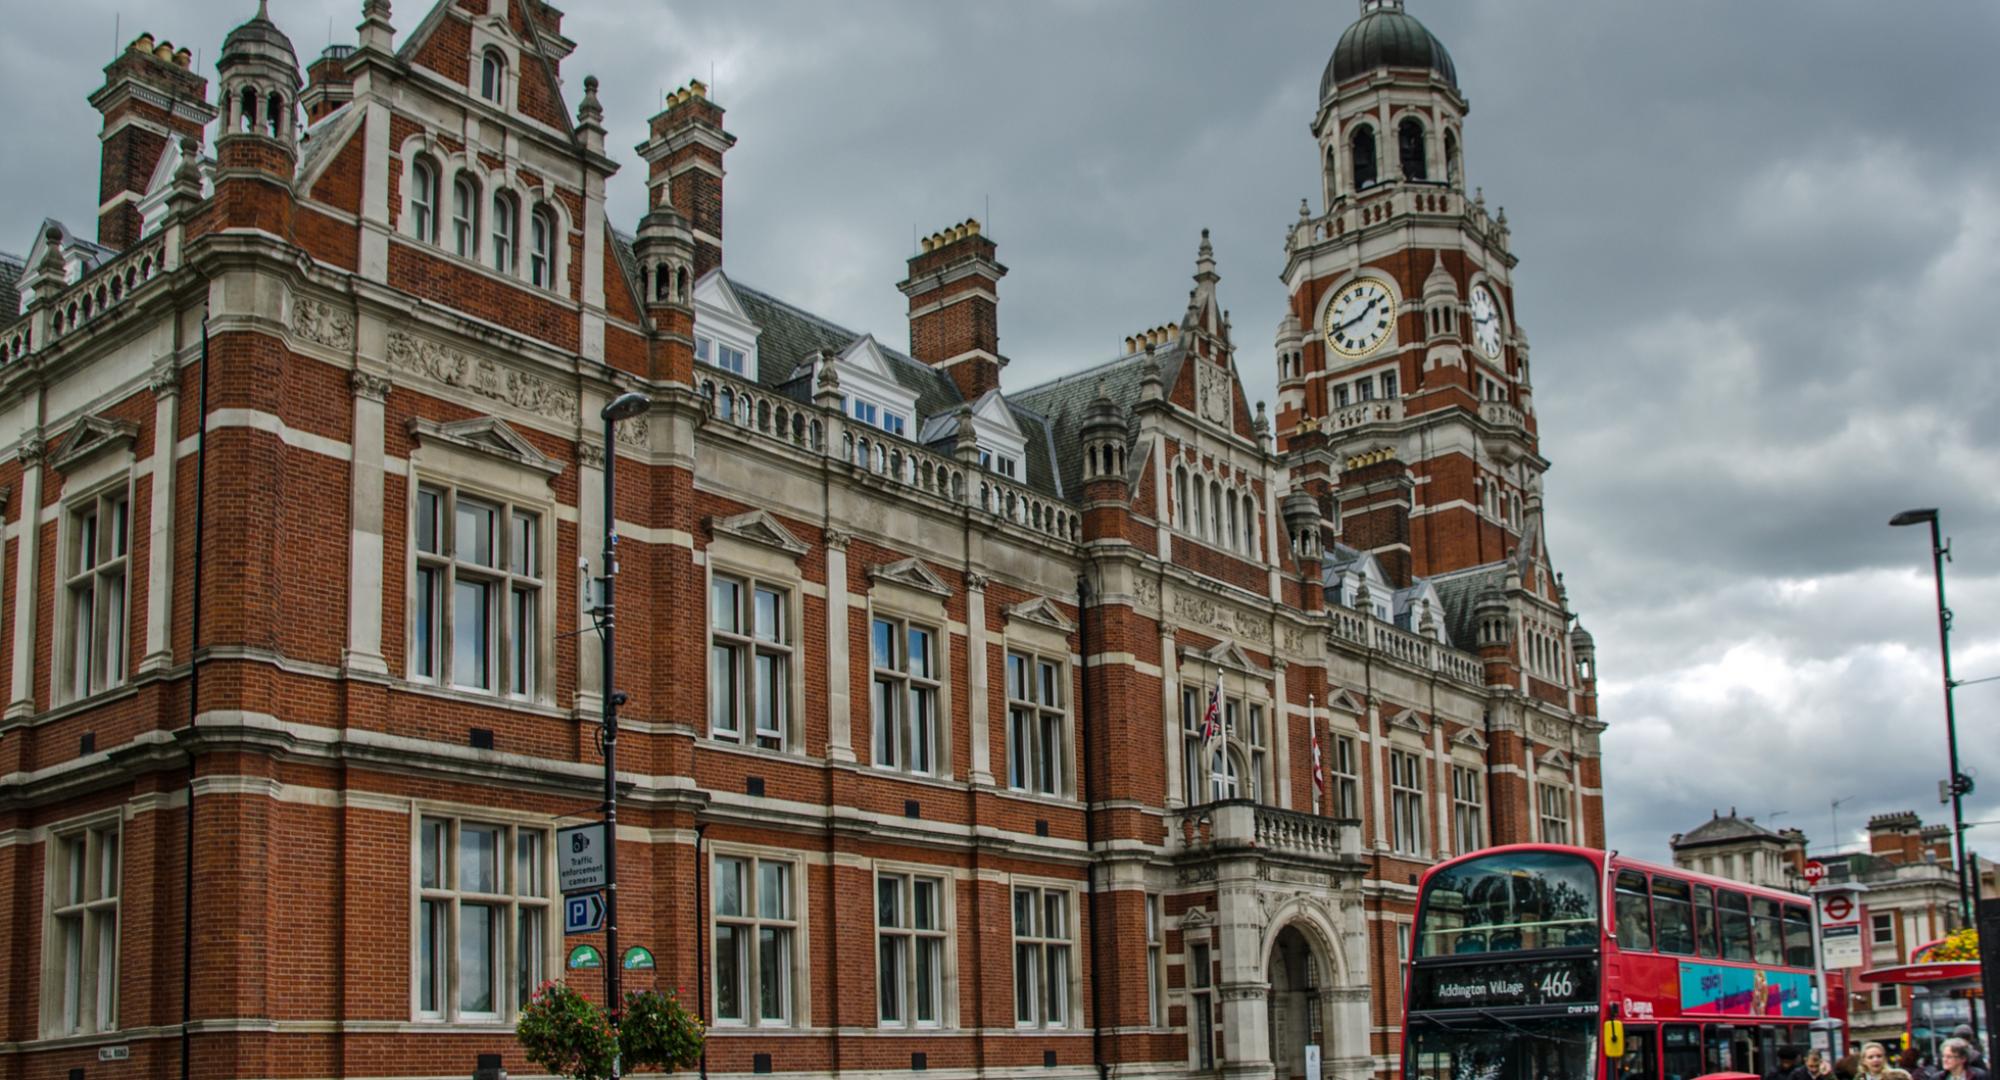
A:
583	913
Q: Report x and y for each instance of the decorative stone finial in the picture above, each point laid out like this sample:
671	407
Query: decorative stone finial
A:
589	111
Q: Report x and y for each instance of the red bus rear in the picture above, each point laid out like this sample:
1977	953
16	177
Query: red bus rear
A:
1523	956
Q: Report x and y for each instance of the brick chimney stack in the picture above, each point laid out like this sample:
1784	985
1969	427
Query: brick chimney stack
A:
683	152
328	85
955	307
150	96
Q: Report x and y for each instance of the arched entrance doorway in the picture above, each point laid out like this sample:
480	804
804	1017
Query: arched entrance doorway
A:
1298	978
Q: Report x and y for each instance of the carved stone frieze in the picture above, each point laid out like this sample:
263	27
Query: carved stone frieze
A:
1212	391
1194	875
322	324
1147	590
635	433
1201	611
1549	729
446	365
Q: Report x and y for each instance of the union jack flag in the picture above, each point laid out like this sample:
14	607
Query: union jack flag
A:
1319	767
1211	721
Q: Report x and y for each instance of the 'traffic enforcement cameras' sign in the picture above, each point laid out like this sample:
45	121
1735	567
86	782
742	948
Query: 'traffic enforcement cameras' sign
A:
580	858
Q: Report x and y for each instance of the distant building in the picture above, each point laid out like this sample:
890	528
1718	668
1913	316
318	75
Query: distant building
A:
1908	892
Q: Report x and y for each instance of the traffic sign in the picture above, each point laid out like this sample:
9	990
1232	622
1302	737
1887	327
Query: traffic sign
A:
580	858
583	913
1838	908
1815	871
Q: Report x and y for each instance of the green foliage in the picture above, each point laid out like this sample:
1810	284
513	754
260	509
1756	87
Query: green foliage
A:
565	1033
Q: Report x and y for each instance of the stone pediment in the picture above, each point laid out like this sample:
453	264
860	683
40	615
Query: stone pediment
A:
486	435
1408	720
759	527
1226	654
1345	702
91	436
1470	738
1556	759
1042	610
910	573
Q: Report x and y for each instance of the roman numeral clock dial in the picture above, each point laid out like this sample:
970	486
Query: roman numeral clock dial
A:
1360	317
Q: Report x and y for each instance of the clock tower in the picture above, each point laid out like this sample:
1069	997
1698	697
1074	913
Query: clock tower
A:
1404	398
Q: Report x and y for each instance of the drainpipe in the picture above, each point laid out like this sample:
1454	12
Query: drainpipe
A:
701	946
1089	831
194	703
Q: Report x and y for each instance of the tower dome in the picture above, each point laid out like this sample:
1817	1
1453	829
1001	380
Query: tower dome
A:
1385	37
258	39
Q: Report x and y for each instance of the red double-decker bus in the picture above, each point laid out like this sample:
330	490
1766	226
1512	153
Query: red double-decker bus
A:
1541	962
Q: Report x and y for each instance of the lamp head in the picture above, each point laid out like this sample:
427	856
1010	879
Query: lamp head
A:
1915	517
626	406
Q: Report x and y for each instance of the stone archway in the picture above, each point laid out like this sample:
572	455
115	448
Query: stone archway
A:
1298	978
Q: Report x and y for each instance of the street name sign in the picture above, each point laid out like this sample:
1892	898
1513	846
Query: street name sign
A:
1840	946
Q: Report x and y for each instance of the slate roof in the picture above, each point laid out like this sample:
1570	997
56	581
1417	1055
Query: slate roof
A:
1065	400
11	269
1459	591
325	137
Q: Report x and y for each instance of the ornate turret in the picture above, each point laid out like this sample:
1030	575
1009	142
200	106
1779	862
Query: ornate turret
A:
260	83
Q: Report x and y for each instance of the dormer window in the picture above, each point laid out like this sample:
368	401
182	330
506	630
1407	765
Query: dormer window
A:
998	463
492	75
727	357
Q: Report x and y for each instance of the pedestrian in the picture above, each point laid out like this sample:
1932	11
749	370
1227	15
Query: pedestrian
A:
1846	1068
1976	1057
1958	1061
1875	1063
1788	1065
1817	1066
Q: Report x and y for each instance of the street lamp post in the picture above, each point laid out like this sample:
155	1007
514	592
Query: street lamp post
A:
1940	551
623	407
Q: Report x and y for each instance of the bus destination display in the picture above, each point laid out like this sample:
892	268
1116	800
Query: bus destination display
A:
1566	981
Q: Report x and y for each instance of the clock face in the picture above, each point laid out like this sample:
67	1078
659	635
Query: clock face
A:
1359	318
1485	322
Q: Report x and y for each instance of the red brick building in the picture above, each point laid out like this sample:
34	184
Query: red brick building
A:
303	486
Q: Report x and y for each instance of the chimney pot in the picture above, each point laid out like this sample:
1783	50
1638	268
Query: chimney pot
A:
143	43
164	51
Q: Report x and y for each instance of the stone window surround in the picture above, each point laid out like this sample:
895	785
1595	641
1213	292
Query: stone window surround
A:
800	1011
892	599
1038	640
442	460
100	468
948	981
1197	672
513	822
733	556
52	979
1073	1018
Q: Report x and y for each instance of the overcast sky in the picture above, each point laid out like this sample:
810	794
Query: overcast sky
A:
1758	244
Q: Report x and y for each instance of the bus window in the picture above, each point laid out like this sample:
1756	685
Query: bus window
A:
1505	902
1735	927
1704	921
1680	1051
1640	1062
1635	919
1767	1050
1675	915
1798	937
1716	1055
1765	932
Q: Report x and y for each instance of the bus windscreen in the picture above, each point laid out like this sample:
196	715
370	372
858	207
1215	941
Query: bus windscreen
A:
1510	901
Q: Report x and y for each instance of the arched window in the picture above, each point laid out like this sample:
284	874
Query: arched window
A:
464	216
506	226
246	110
1226	777
542	248
1451	157
1249	525
1235	527
1362	149
423	199
1198	525
1214	509
1410	148
492	75
1180	498
274	116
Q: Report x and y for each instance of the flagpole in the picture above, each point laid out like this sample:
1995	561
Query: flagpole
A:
1319	776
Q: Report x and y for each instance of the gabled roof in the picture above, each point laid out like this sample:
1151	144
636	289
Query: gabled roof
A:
1459	591
1722	829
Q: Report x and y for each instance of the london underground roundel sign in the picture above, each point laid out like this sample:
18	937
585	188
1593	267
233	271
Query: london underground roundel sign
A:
1839	908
